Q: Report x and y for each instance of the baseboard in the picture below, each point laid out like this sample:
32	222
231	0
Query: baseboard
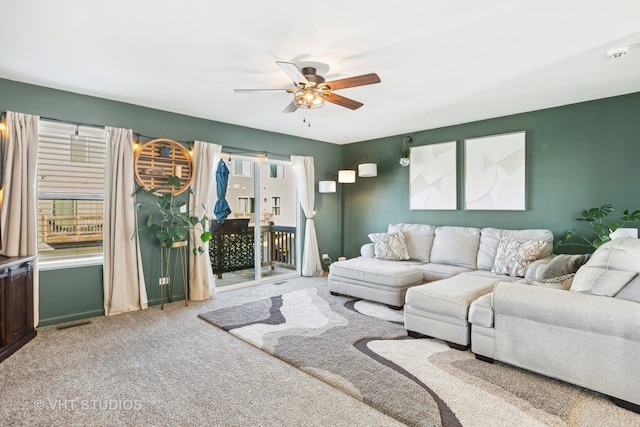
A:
70	317
626	405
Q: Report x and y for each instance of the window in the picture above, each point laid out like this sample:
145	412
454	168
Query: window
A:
276	171
70	190
245	205
275	208
242	168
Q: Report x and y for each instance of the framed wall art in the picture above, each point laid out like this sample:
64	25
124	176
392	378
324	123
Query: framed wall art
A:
495	172
432	177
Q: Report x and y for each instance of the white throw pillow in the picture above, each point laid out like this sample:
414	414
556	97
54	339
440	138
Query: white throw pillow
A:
514	255
390	246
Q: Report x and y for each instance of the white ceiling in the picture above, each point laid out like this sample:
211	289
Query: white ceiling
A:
440	62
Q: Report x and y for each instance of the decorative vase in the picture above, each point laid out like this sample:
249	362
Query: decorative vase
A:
404	162
165	152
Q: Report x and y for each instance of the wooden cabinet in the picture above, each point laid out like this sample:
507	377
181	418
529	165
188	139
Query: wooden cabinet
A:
16	304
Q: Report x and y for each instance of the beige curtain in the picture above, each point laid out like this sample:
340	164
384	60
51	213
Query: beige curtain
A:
202	200
305	184
19	207
123	279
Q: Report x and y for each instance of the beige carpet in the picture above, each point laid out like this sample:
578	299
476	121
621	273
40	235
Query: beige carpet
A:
362	349
168	368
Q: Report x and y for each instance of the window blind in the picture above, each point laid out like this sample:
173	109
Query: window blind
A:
71	165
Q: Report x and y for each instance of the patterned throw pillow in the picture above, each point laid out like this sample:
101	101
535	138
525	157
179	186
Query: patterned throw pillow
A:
514	255
560	282
389	246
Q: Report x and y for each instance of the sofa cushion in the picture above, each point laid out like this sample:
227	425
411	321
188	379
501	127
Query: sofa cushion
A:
419	239
390	246
481	311
377	272
432	271
611	267
490	238
456	246
631	290
514	255
563	264
450	297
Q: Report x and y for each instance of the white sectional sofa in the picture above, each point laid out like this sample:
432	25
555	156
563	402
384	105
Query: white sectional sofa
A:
444	270
480	287
588	335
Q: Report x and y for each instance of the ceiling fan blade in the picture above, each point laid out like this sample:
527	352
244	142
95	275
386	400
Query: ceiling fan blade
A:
365	79
293	72
343	102
290	108
263	90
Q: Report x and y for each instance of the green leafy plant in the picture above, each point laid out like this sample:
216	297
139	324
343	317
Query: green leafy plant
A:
169	224
600	225
405	149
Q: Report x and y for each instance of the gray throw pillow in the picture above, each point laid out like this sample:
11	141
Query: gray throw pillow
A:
564	264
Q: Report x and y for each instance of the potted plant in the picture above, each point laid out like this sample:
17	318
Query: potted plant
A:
405	151
165	150
169	224
596	219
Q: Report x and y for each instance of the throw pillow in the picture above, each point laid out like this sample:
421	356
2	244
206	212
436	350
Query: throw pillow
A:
563	264
514	255
560	282
389	246
611	267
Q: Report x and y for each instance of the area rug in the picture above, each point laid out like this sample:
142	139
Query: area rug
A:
362	349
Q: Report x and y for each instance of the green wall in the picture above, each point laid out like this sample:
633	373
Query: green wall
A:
578	156
68	294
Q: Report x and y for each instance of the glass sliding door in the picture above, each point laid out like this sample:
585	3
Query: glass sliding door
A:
257	242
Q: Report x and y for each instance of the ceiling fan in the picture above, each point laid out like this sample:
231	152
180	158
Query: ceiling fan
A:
311	90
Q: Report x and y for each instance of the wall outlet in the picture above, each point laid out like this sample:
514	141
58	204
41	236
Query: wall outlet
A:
183	209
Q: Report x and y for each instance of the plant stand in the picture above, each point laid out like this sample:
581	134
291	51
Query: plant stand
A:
177	251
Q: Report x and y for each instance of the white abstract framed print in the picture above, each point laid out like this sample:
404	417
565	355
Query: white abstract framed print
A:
432	177
495	172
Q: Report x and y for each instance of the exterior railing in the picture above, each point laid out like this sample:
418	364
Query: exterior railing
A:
280	246
71	228
232	246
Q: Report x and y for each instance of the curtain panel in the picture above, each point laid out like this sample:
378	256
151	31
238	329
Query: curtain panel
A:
305	185
19	183
123	278
202	201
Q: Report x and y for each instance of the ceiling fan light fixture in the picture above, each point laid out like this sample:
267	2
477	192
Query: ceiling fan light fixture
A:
308	98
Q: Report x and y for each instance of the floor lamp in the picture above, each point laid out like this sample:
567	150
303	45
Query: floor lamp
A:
347	176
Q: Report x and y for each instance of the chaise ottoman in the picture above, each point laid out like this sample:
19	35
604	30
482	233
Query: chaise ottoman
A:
440	309
375	280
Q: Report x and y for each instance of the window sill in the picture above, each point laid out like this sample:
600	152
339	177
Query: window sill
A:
63	263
